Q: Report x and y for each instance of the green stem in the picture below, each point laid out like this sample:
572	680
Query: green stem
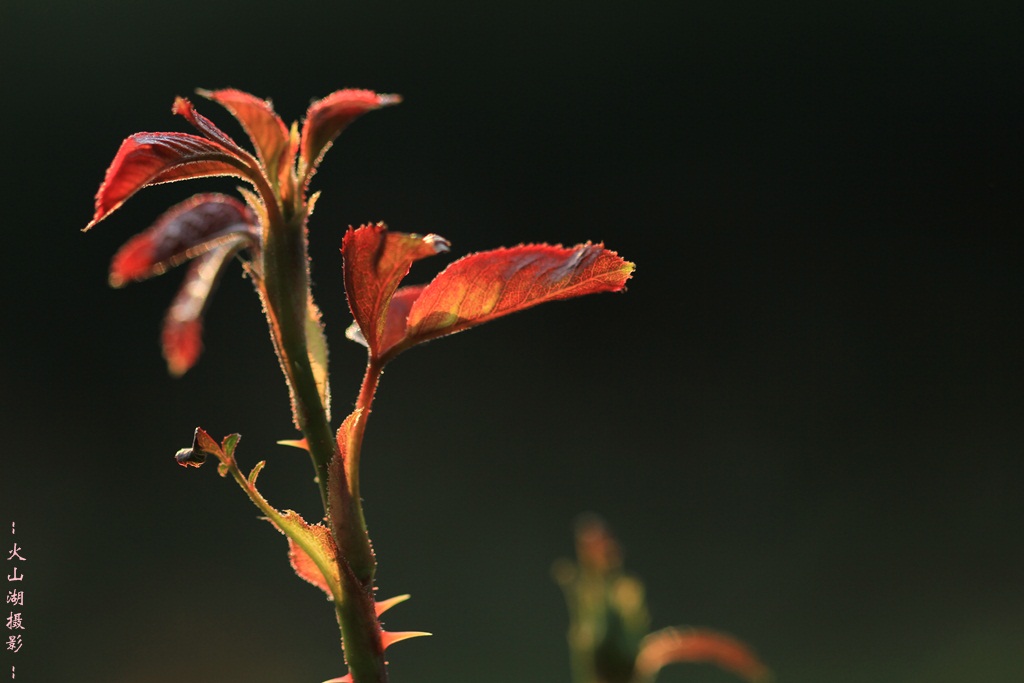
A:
286	290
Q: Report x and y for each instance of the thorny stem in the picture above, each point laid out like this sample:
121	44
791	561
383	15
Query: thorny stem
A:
364	651
286	292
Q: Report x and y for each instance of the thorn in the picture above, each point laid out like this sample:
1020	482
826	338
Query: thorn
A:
387	639
295	443
384	605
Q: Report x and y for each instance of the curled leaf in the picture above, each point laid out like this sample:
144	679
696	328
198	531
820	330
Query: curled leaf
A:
202	447
189	457
181	338
254	473
188	229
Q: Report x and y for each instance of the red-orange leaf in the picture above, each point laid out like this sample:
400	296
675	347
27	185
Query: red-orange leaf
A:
699	645
150	158
183	325
265	128
326	118
491	284
376	261
304	565
311	551
186	230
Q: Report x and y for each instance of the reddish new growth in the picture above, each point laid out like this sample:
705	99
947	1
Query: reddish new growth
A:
212	228
268	232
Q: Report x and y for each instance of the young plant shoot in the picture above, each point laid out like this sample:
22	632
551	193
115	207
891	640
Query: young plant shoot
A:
267	230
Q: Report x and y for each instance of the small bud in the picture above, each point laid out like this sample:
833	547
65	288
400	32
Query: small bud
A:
190	457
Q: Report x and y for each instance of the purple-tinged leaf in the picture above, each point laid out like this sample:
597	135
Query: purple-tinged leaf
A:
183	107
150	158
188	229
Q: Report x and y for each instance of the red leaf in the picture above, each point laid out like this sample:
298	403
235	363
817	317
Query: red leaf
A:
304	565
376	261
326	118
491	284
698	645
265	128
183	107
183	324
188	229
150	158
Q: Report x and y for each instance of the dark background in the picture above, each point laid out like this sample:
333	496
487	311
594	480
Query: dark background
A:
804	419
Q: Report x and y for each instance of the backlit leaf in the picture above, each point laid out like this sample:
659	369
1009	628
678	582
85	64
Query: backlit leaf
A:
326	118
311	552
376	260
491	284
339	470
151	158
265	128
316	342
305	567
191	228
183	325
